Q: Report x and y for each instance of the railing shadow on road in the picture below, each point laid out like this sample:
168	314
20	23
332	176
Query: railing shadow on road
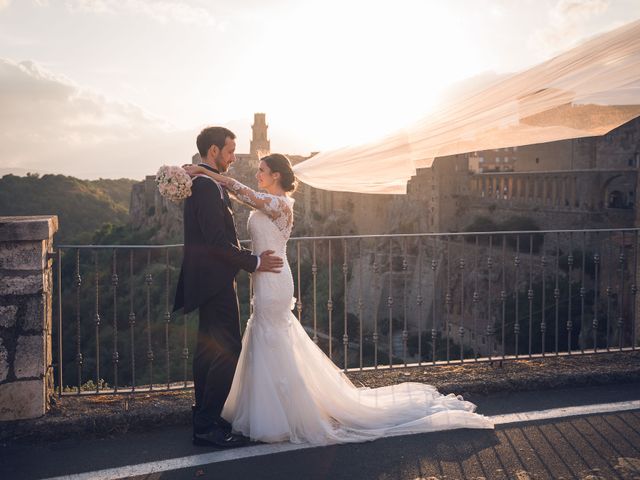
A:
588	447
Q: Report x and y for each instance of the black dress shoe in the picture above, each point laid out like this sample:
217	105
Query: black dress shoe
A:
217	437
222	423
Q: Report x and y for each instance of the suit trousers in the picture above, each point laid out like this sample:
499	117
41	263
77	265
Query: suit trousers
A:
217	352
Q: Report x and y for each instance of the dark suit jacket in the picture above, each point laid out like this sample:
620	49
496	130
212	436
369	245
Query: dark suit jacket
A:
212	254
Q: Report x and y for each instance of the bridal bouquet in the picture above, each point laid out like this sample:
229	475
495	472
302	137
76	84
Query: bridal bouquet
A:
173	182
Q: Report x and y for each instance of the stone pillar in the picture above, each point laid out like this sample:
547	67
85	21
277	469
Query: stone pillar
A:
26	376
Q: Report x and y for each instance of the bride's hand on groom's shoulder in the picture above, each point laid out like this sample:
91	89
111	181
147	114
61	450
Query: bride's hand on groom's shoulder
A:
192	170
269	262
195	170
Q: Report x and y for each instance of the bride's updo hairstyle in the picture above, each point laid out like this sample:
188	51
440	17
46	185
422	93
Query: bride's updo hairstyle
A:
279	163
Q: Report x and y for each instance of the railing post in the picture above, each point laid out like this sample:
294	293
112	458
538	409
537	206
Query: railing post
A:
475	298
167	318
461	331
345	332
97	323
132	323
330	304
360	304
59	284
634	291
503	294
150	355
569	280
79	358
26	278
314	274
405	331
115	357
390	302
516	326
434	318
376	337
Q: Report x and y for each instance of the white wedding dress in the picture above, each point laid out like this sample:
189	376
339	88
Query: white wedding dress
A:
286	389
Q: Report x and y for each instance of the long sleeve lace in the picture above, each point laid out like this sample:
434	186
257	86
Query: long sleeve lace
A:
274	206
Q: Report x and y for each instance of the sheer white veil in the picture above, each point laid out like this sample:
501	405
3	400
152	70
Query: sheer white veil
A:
586	91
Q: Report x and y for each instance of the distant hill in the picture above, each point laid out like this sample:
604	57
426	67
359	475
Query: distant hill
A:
119	190
82	206
13	171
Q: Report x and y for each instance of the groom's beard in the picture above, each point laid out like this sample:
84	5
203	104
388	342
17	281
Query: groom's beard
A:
221	166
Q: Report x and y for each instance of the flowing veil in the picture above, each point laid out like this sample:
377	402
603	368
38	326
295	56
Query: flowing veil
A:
586	91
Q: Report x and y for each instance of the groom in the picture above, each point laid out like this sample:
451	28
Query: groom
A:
212	258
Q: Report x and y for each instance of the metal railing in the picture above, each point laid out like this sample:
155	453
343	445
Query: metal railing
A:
369	301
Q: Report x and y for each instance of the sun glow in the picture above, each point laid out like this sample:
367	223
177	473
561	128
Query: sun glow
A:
328	73
347	72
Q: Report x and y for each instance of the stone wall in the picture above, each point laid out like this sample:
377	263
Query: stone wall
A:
560	199
26	375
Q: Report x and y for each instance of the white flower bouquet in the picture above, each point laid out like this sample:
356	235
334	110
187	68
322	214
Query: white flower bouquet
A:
173	182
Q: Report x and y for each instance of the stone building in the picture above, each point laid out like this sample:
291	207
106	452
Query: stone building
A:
580	183
496	160
260	144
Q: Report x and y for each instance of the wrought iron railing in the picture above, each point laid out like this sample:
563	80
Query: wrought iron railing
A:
369	301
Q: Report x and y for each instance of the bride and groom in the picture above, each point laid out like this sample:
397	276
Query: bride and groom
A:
274	384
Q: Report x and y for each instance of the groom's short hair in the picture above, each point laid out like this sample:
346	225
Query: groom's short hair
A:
212	136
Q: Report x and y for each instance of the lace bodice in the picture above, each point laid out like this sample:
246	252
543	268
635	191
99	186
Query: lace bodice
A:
279	209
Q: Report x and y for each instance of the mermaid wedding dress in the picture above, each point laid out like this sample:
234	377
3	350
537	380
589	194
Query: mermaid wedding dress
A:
286	389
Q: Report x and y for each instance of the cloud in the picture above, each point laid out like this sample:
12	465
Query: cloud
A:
160	11
566	25
49	124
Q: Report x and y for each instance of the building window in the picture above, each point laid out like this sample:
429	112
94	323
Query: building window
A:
537	160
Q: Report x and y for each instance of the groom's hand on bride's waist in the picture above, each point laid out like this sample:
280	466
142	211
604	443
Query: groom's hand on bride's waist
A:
269	262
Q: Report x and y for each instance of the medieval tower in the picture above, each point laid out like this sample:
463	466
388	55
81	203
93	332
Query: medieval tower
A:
260	145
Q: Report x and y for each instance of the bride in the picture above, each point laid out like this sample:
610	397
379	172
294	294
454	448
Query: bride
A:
285	388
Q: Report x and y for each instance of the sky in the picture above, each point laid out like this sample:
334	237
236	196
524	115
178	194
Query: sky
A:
116	88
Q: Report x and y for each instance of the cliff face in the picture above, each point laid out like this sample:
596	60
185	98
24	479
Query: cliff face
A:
148	210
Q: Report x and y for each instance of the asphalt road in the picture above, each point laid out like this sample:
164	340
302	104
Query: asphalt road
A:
593	446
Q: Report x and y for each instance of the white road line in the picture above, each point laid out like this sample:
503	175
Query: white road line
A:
565	412
270	449
184	462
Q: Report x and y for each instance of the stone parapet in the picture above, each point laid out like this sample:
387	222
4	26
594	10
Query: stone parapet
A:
26	376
